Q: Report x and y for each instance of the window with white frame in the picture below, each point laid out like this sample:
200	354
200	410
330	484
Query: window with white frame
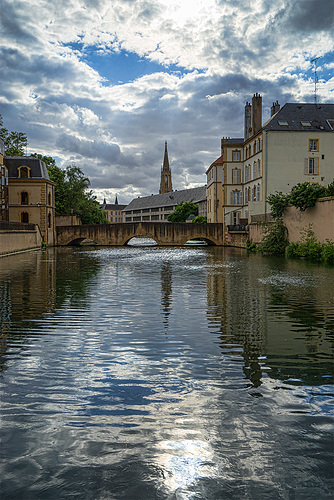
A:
236	156
313	145
236	176
311	166
236	198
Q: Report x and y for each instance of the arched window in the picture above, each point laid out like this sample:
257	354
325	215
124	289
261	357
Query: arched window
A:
24	198
24	217
23	172
49	221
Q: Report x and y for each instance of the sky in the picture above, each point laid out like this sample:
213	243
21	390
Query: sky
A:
103	84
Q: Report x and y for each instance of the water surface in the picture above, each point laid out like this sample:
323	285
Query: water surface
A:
165	373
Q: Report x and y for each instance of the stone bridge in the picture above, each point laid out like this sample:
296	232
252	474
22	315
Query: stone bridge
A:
164	233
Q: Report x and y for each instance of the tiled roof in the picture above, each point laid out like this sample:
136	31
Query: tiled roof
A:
292	116
167	199
37	167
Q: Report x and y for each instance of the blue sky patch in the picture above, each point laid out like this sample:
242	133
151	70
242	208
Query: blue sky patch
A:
121	67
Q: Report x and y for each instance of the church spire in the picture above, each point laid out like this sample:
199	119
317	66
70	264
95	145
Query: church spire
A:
166	175
116	200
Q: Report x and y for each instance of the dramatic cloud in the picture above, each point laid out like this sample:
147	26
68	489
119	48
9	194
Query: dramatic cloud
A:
103	84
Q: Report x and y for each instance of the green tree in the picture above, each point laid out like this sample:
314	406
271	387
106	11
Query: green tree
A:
72	194
15	142
182	212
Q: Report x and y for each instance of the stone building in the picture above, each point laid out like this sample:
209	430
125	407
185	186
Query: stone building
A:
295	145
31	194
156	208
113	211
4	208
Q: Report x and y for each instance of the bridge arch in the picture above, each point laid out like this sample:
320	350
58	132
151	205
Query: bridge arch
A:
163	233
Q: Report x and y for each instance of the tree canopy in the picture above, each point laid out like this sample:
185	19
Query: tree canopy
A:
182	212
72	194
15	142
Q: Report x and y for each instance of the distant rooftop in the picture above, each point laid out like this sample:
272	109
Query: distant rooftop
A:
167	199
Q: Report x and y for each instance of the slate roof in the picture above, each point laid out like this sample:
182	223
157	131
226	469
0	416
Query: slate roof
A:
112	206
295	113
232	142
167	199
37	167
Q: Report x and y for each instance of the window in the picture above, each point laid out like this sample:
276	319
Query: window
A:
236	155
259	168
236	176
313	145
311	166
331	123
257	193
23	172
49	199
254	170
24	217
24	198
283	123
306	124
49	221
236	198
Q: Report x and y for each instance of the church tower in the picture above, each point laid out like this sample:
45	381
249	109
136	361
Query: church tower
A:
166	175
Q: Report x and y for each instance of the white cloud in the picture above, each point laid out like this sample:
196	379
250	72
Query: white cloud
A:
116	131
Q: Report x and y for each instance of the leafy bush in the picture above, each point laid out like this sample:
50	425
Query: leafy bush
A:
305	195
330	189
275	239
278	203
310	248
199	219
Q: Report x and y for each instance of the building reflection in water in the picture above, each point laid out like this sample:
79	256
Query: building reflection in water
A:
166	291
274	313
35	284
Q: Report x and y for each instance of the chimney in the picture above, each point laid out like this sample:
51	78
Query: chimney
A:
275	108
248	119
256	113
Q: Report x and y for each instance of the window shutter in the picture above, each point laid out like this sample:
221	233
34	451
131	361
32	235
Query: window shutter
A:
231	198
316	166
306	166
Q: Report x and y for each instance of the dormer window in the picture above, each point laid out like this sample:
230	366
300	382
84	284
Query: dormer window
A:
23	172
283	123
306	124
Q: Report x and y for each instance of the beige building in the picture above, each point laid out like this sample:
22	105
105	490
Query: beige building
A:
157	207
4	211
295	145
31	194
113	211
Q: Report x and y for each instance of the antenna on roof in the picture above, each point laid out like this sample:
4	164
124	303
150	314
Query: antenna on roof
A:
315	79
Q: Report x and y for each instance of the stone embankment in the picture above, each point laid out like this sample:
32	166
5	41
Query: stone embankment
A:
18	237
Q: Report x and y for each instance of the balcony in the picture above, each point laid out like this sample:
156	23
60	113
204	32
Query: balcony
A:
237	228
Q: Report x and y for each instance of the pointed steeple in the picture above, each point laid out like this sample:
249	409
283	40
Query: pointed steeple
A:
116	200
165	165
166	175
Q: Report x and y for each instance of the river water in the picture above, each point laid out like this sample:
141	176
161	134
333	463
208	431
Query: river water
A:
145	373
